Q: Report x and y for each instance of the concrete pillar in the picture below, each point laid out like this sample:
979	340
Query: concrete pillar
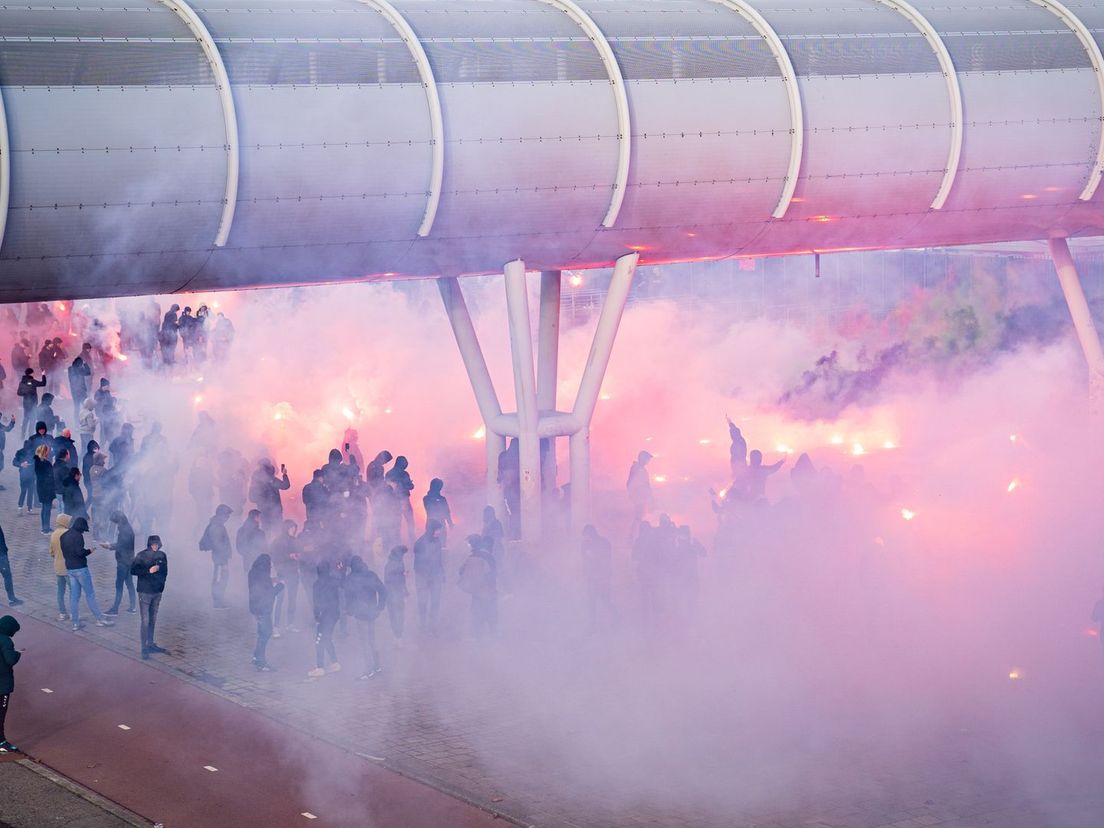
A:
548	358
579	444
1082	317
525	389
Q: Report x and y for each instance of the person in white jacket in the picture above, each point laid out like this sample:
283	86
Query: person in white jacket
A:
88	423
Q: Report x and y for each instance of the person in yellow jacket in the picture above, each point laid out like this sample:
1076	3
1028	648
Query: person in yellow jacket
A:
61	526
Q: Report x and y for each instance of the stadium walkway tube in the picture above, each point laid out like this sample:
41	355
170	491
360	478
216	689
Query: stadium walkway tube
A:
548	359
793	93
954	93
525	390
1083	33
621	101
229	113
433	100
482	385
5	169
1082	317
595	371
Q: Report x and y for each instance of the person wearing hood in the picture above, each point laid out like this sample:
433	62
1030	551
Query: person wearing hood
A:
4	431
61	526
365	597
216	540
151	566
316	498
327	610
154	446
403	485
250	540
394	577
285	559
44	412
429	576
87	423
262	596
80	578
121	448
170	326
27	390
375	473
264	491
80	375
336	475
72	498
6	573
24	462
639	487
64	443
9	657
479	578
124	560
437	508
44	483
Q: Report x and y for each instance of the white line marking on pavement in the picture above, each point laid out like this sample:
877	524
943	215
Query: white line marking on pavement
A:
124	727
308	815
47	690
210	768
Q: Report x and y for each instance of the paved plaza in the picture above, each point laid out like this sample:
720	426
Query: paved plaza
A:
516	735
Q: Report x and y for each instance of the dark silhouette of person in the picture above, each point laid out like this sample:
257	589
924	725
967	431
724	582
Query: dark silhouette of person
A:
27	391
216	540
429	576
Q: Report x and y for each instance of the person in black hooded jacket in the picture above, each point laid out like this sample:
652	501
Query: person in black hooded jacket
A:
365	597
72	498
80	579
9	657
216	540
124	560
27	390
44	484
151	565
327	611
262	596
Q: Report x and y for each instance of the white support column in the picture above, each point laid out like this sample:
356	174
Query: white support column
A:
1082	316
579	443
601	348
525	389
485	396
548	359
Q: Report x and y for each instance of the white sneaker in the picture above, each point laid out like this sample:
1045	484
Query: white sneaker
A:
334	668
317	672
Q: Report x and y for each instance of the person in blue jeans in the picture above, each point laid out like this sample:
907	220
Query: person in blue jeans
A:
80	578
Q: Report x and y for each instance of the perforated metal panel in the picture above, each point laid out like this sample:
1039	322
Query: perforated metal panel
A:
117	144
67	44
335	136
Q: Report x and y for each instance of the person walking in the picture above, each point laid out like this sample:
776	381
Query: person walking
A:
250	540
262	597
366	597
478	578
394	578
437	508
9	657
216	540
124	561
87	423
80	578
61	526
327	611
4	431
72	498
285	559
429	576
151	566
6	573
44	485
80	376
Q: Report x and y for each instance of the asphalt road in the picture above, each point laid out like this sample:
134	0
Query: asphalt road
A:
180	756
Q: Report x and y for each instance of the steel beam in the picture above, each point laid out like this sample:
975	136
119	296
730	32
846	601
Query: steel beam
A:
793	94
433	100
548	358
229	113
954	94
1078	27
1082	317
5	169
620	98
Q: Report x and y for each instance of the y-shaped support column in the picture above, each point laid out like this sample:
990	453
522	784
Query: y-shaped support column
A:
1082	317
536	417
